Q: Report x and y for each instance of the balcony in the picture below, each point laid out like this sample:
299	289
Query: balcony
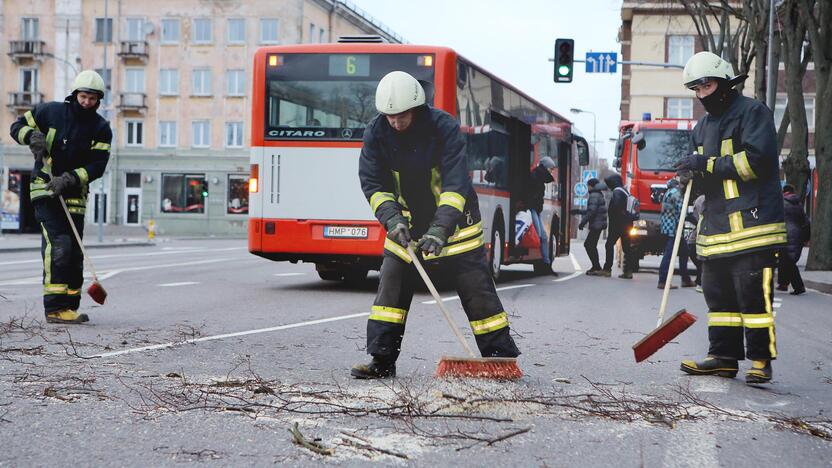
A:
23	100
26	50
133	50
132	102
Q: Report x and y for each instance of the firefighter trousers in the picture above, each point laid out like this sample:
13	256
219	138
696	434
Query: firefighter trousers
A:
469	273
739	294
63	262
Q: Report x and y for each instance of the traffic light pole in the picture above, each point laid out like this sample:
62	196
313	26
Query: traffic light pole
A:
645	64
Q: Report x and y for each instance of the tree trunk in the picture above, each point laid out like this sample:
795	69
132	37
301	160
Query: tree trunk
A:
756	13
796	165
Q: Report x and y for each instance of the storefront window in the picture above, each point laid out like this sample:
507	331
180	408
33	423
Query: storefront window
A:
237	194
184	193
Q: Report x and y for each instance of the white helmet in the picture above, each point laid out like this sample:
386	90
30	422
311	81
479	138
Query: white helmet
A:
89	81
706	66
397	92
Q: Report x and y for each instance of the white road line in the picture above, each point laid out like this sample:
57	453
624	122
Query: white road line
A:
574	261
229	335
183	283
289	274
567	278
777	305
504	288
145	254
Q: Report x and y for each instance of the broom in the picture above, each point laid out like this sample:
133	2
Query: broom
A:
680	321
470	366
95	291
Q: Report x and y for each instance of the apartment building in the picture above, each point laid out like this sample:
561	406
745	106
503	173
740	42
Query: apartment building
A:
179	74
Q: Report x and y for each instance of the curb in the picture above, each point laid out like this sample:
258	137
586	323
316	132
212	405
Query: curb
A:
818	286
86	246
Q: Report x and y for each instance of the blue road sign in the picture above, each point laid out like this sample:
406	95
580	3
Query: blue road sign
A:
588	174
601	62
581	189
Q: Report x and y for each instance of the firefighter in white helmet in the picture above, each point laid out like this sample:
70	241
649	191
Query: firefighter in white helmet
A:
735	165
413	172
70	143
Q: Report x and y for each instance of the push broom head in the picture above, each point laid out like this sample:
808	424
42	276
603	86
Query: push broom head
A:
482	368
97	292
659	337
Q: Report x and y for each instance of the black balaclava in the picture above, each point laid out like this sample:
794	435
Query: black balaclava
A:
78	109
718	102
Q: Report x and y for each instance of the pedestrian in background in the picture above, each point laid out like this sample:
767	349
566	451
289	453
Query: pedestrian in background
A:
694	218
619	224
797	232
595	217
539	177
668	222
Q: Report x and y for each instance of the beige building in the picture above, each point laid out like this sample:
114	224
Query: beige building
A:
179	73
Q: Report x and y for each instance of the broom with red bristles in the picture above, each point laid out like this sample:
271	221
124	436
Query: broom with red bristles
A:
674	326
96	291
471	366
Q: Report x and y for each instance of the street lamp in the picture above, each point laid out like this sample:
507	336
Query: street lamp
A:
575	110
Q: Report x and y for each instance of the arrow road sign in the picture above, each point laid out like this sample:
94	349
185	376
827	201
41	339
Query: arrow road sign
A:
601	62
589	174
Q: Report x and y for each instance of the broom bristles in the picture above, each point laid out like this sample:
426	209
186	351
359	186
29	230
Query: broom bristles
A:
659	337
482	368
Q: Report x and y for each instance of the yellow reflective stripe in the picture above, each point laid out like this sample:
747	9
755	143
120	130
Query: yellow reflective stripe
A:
21	135
100	145
436	184
398	188
37	185
727	147
743	167
82	175
735	220
710	165
464	233
490	324
30	120
50	138
73	292
397	250
725	319
76	201
773	228
700	149
47	257
738	246
729	187
54	289
388	314
380	197
757	320
457	249
76	210
37	194
452	199
768	274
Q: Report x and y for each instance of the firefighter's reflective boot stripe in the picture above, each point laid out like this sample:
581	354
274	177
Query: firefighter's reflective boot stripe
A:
760	372
711	366
738	291
469	273
66	316
62	258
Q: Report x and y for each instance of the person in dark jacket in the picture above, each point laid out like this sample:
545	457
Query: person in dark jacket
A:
539	177
413	172
736	166
619	227
797	233
70	142
595	217
668	222
693	218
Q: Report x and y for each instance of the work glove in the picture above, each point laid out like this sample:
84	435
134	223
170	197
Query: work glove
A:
61	183
581	226
685	176
433	240
694	162
37	144
397	230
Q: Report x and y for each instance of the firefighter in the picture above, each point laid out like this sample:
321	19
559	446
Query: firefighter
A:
735	164
413	172
70	142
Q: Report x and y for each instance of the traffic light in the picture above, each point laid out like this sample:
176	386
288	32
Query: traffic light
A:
564	60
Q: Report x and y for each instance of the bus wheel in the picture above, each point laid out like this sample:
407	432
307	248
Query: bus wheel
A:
330	275
496	256
355	276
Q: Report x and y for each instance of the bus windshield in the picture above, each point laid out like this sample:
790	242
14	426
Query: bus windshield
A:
331	96
662	148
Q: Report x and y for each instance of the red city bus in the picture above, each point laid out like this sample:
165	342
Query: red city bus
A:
309	107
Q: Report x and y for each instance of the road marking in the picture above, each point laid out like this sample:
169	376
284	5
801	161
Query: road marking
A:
229	335
145	254
289	274
183	283
574	261
504	288
567	278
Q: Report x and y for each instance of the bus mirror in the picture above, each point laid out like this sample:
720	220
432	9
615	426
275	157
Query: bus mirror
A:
638	140
616	163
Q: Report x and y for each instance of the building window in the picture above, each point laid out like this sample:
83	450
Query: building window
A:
236	31
30	30
780	110
167	134
679	108
201	133
170	31
107	76
103	30
134	80
234	134
201	82
169	82
184	193
810	111
321	35
135	133
312	31
202	31
237	202
235	82
268	31
679	49
29	80
135	29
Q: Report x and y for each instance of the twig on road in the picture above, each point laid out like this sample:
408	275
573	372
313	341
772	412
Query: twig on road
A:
312	445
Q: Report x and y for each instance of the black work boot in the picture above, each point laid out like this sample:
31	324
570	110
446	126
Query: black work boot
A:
67	316
711	366
760	372
626	275
376	369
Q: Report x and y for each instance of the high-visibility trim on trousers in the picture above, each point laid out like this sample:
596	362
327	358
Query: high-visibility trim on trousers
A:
388	314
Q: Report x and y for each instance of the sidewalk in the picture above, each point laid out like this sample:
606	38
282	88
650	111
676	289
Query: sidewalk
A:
114	236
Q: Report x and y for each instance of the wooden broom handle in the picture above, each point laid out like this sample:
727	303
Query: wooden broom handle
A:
438	300
78	238
679	229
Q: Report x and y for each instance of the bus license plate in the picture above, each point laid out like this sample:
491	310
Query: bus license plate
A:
349	232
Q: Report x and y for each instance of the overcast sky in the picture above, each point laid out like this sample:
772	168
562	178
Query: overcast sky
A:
514	39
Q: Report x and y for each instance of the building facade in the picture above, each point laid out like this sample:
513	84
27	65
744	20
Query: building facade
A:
179	79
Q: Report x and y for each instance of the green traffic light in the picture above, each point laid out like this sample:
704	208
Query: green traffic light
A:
563	70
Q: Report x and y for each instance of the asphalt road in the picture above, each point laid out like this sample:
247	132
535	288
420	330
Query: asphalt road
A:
205	353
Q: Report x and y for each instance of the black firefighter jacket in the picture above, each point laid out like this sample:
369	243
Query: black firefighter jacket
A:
743	201
78	141
421	173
